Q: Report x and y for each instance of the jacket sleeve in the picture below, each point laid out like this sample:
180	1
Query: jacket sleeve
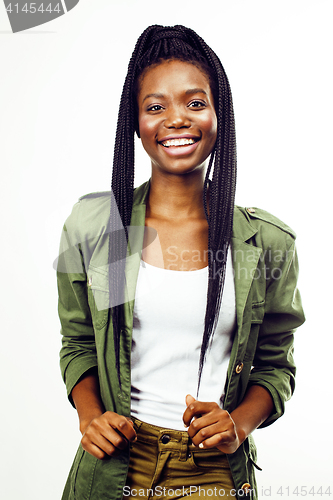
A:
273	364
78	352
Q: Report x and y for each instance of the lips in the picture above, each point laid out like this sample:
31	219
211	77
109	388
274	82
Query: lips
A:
180	146
177	142
180	141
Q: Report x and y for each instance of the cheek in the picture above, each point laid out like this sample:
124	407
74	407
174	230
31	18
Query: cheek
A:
209	126
146	129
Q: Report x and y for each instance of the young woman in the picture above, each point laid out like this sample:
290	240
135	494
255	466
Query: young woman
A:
187	322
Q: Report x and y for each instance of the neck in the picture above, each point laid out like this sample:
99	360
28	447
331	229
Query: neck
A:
176	196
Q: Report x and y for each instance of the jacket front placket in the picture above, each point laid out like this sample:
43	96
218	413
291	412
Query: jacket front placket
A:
133	259
245	258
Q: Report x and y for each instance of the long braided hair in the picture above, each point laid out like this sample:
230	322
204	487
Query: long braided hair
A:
158	43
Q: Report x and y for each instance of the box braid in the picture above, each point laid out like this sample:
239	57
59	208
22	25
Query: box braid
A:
156	44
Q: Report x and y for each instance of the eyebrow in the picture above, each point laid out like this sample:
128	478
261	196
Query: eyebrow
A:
158	96
188	92
196	91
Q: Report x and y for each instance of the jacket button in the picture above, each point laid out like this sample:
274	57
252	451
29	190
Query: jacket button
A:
251	210
239	368
165	438
246	487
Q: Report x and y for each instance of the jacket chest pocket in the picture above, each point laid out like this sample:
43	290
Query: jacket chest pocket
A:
98	296
257	301
258	312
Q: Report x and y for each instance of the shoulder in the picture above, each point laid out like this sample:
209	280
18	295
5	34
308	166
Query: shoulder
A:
259	218
90	215
99	195
97	201
263	228
102	199
89	211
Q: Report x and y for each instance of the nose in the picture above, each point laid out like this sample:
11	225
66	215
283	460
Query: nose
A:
177	118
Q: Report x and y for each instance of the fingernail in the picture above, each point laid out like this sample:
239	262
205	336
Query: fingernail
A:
201	445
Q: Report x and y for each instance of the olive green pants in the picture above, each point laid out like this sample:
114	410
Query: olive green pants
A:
165	465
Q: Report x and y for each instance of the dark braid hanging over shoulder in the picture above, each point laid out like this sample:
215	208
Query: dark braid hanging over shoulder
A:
158	43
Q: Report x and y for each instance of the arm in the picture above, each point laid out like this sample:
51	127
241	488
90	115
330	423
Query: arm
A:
86	397
78	352
104	433
255	408
273	364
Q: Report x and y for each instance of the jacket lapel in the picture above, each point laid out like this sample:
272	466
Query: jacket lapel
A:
135	245
245	259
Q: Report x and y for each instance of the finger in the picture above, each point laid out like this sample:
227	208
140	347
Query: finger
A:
122	425
104	432
189	399
217	440
198	409
212	422
227	442
191	412
113	436
204	433
97	445
94	450
117	439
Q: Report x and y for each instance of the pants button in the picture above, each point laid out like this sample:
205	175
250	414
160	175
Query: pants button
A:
165	438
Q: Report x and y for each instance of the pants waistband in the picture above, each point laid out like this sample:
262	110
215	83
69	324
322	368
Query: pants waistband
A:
167	439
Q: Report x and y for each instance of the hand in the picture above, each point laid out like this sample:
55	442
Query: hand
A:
210	426
107	434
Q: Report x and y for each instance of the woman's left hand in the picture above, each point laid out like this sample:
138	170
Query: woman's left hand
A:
210	427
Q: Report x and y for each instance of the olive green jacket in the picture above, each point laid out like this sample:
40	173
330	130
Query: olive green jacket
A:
268	309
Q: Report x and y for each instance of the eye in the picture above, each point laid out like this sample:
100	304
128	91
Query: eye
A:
197	104
154	107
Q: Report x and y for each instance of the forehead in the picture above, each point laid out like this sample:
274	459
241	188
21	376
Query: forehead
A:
173	74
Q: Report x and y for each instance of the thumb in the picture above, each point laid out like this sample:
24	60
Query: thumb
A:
130	421
189	399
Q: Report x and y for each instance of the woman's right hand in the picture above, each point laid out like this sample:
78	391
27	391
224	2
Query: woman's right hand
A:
107	434
104	433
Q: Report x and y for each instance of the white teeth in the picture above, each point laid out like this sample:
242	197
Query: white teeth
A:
178	142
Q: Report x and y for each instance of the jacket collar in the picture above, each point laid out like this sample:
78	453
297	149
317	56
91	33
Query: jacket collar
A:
242	229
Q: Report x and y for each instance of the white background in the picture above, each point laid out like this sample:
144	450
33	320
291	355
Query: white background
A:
60	88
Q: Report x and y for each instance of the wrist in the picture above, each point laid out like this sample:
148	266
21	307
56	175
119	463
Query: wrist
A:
87	419
239	428
242	435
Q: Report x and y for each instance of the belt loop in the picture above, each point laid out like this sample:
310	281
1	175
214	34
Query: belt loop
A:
184	447
137	423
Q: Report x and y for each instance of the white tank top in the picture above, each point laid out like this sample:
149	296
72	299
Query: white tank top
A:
168	325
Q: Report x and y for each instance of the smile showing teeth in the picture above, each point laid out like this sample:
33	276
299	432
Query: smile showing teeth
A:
177	142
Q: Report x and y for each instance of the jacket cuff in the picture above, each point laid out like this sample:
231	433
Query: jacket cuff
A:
75	371
278	410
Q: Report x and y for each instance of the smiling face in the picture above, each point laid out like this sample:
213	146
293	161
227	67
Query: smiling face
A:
177	119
